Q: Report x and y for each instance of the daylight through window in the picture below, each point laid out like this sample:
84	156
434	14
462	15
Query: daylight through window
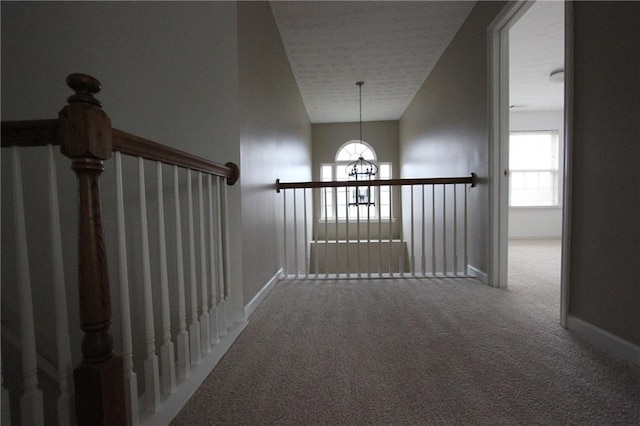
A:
533	169
344	202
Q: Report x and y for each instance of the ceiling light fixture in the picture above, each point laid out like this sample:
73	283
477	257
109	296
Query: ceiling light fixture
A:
557	76
361	169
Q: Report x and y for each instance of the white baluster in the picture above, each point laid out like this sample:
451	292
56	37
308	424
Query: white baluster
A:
413	237
401	252
379	208
306	235
151	367
390	231
295	234
213	315
326	238
334	194
369	232
182	339
444	229
284	247
346	192
222	322
424	225
167	357
226	257
433	230
130	378
455	230
315	233
466	242
66	406
358	230
194	327
31	405
205	337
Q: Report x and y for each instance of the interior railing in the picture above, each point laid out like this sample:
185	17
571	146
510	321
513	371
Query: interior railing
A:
335	230
170	321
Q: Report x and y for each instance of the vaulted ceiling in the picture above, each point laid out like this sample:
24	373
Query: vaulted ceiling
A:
393	46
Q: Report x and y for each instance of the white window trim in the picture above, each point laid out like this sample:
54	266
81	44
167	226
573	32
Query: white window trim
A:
353	219
556	172
335	166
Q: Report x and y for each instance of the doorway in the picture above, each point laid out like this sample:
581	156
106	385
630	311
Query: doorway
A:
535	147
526	63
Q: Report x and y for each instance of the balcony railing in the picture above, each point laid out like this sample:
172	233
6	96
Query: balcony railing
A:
422	231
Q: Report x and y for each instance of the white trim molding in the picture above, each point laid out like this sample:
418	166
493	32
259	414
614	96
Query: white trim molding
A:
498	93
474	272
258	298
609	343
173	405
565	281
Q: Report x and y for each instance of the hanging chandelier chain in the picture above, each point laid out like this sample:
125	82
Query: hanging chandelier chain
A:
361	168
360	83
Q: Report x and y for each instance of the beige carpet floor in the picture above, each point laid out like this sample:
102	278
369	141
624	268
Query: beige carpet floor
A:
534	274
415	352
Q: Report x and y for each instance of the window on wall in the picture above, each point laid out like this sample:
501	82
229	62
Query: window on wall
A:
338	202
533	169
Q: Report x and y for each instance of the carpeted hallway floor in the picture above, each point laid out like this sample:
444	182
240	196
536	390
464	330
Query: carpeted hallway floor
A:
414	351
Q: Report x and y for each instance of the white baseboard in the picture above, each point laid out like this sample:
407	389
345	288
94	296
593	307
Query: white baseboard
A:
610	343
474	272
171	406
258	298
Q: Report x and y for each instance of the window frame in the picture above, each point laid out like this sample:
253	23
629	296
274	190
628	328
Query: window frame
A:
333	209
556	186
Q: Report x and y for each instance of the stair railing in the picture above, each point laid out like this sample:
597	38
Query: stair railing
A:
105	390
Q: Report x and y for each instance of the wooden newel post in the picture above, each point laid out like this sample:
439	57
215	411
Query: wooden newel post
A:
85	137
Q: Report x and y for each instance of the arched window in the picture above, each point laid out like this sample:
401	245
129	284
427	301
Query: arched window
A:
340	202
353	150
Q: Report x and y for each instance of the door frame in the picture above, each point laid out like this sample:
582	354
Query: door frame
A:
498	90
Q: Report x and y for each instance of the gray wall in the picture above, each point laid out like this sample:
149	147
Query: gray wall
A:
168	70
275	140
605	230
444	131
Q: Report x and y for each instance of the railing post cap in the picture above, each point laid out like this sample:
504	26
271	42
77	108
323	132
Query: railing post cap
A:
85	87
236	173
84	129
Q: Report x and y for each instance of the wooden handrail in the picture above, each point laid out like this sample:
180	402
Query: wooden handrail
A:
30	133
136	146
45	132
378	182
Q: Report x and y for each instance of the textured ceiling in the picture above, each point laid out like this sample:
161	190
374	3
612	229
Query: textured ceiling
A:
393	46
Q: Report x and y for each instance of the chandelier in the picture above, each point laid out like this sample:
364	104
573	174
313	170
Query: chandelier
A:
361	169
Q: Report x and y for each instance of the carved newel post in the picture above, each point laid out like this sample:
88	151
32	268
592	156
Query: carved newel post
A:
85	135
